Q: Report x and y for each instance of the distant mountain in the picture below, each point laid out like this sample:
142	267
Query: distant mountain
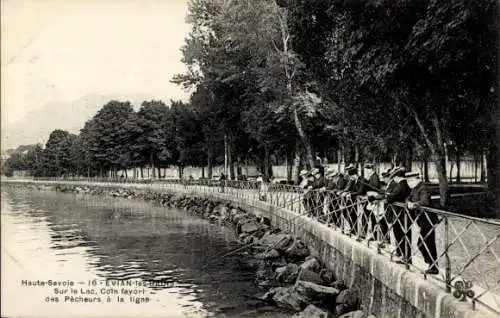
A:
36	126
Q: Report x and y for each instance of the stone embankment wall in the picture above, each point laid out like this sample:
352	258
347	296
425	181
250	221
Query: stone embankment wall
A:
317	271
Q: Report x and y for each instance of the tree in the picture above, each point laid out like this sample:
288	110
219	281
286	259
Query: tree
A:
150	146
57	154
110	136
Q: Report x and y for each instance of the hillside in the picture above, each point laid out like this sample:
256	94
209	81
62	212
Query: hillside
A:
38	124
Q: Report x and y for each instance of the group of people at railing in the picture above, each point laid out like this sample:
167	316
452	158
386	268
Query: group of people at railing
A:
352	202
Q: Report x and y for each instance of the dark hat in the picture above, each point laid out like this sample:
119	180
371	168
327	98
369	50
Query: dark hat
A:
351	169
368	165
388	172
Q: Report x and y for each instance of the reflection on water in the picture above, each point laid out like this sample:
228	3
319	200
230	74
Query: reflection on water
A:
49	235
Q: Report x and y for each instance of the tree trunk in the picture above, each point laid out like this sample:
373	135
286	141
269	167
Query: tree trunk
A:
426	169
339	158
181	171
305	140
483	172
159	171
437	150
475	167
142	172
296	162
289	166
230	161
443	181
450	179
351	156
209	162
238	167
357	156
225	155
203	172
266	162
152	165
409	157
493	175
457	158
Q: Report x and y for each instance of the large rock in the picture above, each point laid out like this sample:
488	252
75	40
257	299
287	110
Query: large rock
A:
268	254
260	232
339	284
354	314
298	251
286	297
224	211
316	294
213	218
348	300
280	262
217	209
248	240
311	264
287	274
278	241
233	212
311	311
239	217
327	276
309	276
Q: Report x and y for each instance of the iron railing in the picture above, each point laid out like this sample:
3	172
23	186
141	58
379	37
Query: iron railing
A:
464	249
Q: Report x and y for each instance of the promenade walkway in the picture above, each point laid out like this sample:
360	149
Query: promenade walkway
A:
468	247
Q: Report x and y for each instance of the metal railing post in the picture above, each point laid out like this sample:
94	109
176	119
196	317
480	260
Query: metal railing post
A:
405	238
447	255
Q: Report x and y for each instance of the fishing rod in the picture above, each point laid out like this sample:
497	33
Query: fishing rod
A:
276	244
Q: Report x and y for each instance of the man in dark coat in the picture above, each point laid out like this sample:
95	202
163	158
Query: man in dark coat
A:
341	182
355	186
402	230
426	220
388	217
330	197
373	185
317	197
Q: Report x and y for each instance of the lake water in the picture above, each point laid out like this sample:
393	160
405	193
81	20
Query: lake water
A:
122	258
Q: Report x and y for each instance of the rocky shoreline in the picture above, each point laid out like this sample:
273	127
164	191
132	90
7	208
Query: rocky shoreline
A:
294	279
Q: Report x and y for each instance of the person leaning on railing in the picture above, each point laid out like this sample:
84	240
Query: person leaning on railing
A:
402	231
355	186
384	216
261	185
222	180
427	221
319	190
304	181
310	196
329	206
372	185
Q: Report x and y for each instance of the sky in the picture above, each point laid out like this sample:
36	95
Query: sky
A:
56	51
